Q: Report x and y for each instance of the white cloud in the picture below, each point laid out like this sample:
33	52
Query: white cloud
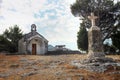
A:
63	29
19	12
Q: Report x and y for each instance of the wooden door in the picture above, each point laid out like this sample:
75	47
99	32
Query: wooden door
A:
33	49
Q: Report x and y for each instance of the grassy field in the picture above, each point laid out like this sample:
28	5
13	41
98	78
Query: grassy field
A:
52	67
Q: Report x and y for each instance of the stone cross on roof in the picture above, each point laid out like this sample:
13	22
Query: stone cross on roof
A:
92	18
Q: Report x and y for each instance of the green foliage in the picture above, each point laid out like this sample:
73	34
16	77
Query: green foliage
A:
116	39
82	38
4	44
9	39
107	11
108	21
109	49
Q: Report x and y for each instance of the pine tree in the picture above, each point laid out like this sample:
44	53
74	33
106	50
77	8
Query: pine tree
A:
107	11
10	37
82	38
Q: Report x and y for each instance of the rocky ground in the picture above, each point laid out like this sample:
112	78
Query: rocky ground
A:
52	67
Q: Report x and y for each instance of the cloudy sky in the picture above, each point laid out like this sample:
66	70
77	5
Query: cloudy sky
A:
52	17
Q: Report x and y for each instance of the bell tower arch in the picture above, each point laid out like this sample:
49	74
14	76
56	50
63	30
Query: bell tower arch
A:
33	27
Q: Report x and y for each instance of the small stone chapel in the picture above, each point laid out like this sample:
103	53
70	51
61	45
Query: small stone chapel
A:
33	43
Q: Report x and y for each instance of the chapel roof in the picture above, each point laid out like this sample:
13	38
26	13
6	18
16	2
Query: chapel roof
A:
32	33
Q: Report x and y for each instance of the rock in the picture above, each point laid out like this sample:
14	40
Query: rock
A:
110	67
23	59
97	66
95	47
14	65
4	75
35	68
58	73
117	67
29	74
117	72
56	62
118	64
69	78
81	78
96	60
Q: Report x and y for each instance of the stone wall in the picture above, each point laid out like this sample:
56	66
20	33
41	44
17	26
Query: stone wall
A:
62	52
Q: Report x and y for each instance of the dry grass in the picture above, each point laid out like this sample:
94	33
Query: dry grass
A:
55	67
2	56
115	57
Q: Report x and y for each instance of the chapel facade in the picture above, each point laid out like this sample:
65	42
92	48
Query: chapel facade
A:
33	43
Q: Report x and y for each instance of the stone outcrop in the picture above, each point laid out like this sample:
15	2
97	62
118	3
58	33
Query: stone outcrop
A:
95	43
95	47
96	60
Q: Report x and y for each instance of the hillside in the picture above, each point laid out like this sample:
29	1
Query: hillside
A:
52	67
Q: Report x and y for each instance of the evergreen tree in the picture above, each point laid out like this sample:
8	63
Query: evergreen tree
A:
4	44
116	39
107	11
82	38
10	37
